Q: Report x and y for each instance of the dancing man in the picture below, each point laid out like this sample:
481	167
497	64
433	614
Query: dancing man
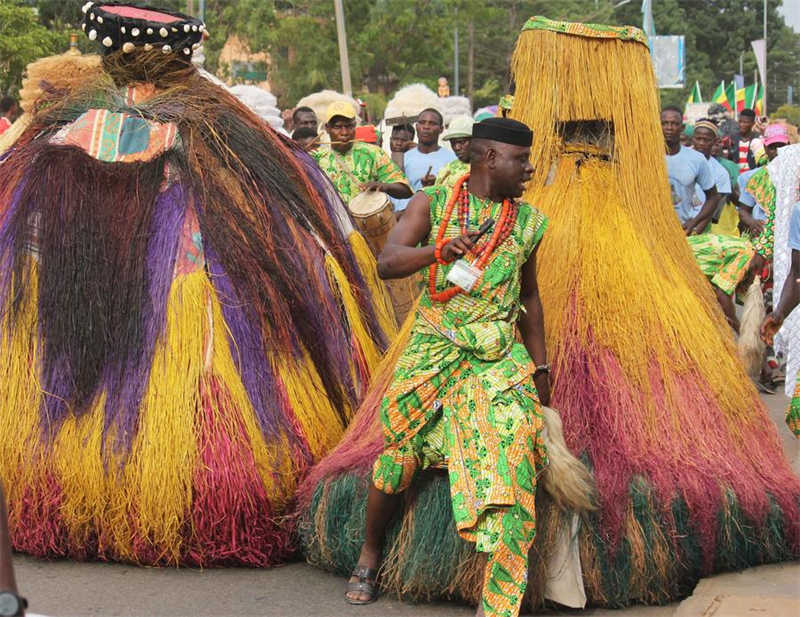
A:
465	395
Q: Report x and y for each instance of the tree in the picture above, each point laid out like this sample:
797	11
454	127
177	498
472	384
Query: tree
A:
390	43
22	41
394	42
497	24
251	20
790	113
398	42
717	32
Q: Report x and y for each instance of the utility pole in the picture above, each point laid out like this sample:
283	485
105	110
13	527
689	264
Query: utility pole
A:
190	7
344	58
455	45
471	63
741	64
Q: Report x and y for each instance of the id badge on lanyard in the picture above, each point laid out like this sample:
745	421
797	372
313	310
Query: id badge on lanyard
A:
464	274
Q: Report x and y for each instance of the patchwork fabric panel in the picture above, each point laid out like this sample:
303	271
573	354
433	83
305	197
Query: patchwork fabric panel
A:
118	137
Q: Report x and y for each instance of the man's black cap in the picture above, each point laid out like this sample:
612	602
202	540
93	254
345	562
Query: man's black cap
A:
504	130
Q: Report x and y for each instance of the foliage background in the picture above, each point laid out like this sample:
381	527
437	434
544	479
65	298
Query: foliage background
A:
396	42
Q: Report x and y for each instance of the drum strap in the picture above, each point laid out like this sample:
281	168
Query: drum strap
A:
345	168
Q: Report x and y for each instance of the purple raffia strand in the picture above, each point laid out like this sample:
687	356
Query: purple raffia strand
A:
250	355
126	381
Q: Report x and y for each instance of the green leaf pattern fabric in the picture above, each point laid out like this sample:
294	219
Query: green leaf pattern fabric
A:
463	398
365	162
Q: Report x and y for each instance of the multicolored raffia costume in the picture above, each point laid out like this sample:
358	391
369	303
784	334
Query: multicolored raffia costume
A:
782	194
186	319
689	469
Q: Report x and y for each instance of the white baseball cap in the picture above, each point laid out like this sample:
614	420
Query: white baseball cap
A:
460	127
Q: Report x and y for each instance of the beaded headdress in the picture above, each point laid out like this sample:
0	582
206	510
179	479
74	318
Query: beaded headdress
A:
127	26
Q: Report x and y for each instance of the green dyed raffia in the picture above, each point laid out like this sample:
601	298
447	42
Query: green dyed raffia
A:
736	549
426	559
689	557
599	31
429	555
333	530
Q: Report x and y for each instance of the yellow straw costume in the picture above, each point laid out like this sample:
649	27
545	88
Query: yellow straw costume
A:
688	466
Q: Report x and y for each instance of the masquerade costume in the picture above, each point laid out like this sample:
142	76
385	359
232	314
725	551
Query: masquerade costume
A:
689	470
186	315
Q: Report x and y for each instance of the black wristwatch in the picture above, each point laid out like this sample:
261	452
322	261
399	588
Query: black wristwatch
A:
11	605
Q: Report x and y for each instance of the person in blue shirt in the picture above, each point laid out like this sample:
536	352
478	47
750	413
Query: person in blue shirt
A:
687	168
423	162
703	140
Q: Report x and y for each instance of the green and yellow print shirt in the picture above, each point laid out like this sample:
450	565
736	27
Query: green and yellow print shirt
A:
451	173
762	189
365	162
481	321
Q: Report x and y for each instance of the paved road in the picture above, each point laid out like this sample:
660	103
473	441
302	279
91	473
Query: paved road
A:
63	589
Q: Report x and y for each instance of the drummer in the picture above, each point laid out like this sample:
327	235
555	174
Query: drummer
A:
459	134
354	166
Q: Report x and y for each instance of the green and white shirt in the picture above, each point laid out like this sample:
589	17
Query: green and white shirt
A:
364	162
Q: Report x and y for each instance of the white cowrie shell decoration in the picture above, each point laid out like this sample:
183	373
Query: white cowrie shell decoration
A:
135	32
166	49
163	32
92	35
108	42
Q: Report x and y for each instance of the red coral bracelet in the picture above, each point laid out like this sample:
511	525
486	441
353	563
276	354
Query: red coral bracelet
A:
438	251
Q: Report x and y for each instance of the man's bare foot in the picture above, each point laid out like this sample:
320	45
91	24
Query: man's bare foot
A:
370	558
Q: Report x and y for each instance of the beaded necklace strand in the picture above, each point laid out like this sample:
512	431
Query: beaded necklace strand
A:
480	253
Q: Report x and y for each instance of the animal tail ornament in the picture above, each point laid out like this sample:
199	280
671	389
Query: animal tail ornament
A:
688	468
566	480
187	321
751	346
